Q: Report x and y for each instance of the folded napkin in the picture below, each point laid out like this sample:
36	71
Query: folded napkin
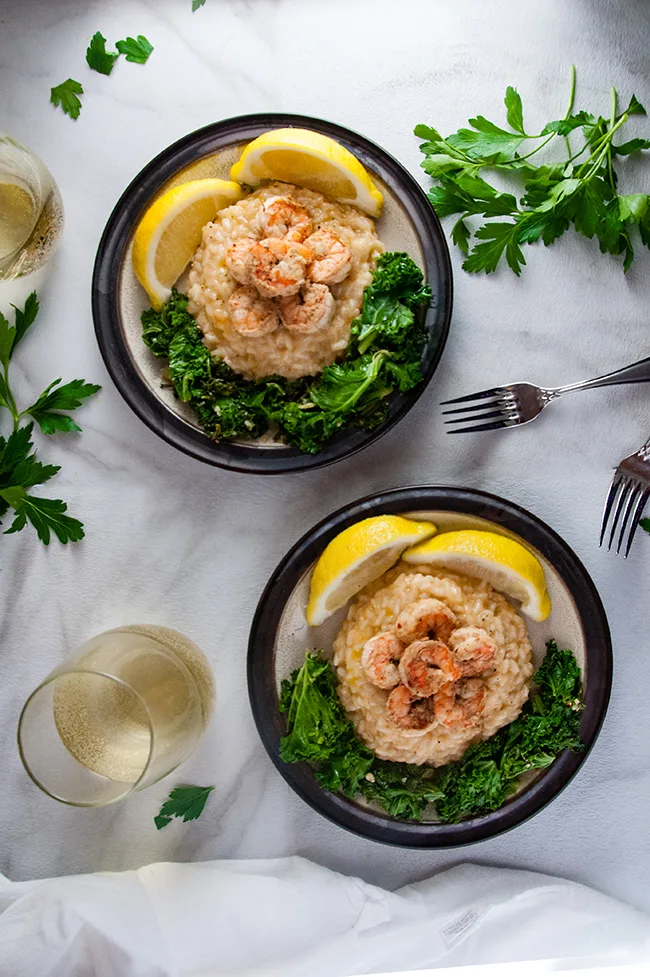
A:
291	917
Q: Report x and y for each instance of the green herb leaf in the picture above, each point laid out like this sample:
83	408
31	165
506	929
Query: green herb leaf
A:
496	238
460	235
629	147
25	317
135	49
580	191
645	525
183	802
66	95
196	4
7	340
98	58
47	516
515	111
45	410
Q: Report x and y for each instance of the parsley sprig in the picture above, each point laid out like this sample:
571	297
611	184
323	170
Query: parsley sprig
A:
20	469
580	190
183	802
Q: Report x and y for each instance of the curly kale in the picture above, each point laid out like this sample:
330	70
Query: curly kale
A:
319	733
384	355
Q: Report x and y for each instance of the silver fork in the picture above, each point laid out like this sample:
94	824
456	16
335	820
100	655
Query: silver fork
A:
629	490
519	403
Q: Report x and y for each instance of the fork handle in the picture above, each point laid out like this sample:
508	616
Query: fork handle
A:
635	373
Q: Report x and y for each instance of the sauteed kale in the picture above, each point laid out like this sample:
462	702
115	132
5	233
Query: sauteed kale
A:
384	355
319	733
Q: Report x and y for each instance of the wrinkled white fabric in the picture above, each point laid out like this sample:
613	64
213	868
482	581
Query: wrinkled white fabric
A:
291	917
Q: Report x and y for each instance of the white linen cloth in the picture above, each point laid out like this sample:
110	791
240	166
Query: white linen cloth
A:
292	917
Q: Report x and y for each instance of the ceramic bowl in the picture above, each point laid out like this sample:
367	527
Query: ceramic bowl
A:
280	635
408	223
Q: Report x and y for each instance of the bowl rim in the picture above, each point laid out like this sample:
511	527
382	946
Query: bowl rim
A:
111	254
262	679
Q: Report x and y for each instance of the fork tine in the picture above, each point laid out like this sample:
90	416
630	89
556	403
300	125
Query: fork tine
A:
496	392
504	415
620	502
635	519
613	489
495	426
635	491
474	407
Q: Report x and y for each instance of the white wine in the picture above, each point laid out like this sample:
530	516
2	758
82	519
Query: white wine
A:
31	221
146	698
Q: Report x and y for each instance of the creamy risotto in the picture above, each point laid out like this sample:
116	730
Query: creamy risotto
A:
289	353
504	685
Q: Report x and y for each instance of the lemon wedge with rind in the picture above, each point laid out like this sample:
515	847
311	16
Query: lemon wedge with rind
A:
502	561
171	230
308	159
356	557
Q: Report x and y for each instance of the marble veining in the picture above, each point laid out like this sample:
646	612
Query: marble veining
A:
174	542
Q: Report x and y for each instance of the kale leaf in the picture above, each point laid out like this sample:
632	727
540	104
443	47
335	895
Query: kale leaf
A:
319	733
384	354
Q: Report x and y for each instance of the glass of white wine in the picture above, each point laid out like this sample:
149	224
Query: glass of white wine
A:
31	220
121	713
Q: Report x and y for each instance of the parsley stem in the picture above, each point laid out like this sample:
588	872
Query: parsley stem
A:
572	96
612	123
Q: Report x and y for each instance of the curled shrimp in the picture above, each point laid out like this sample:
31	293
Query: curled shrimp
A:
332	259
251	314
425	618
278	267
239	259
426	666
284	218
460	704
309	310
409	712
473	650
380	657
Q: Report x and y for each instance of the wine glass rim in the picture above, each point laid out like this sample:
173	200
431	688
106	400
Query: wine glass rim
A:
48	680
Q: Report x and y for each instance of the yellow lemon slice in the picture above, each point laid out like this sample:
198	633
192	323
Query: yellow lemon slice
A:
170	232
502	561
310	160
356	557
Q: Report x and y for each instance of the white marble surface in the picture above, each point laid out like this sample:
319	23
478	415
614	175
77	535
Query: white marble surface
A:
172	541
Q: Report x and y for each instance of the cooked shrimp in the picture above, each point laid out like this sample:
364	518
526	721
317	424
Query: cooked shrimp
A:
473	650
380	657
332	259
460	704
308	311
251	314
425	618
239	259
408	712
278	267
283	217
426	666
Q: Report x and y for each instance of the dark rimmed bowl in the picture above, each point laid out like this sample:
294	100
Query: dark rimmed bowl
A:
280	635
408	224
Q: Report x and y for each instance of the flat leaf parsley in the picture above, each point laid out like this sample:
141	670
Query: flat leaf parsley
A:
20	470
580	190
66	96
98	58
135	49
183	802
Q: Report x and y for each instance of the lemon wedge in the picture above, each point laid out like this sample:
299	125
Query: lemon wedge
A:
502	561
310	160
356	557
170	232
